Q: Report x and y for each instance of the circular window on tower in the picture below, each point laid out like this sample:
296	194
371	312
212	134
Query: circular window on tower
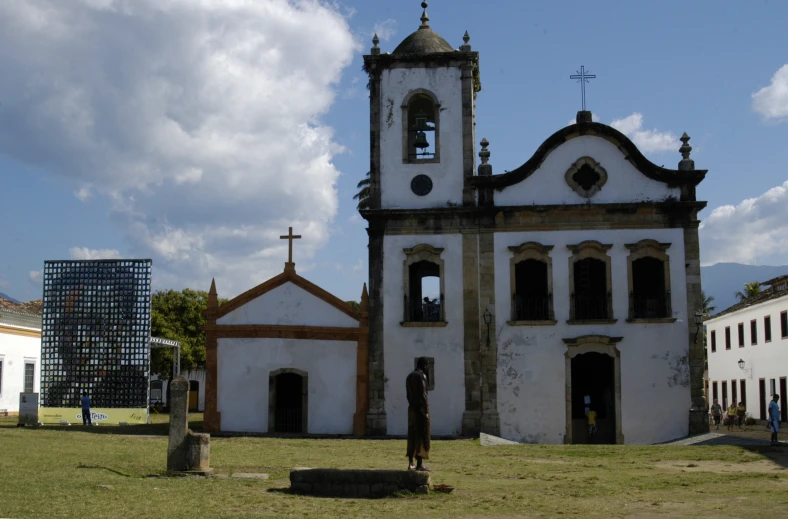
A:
421	185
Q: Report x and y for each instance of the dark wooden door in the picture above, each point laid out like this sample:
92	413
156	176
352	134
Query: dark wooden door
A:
762	391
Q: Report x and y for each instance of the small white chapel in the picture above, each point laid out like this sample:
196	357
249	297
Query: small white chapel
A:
570	282
286	357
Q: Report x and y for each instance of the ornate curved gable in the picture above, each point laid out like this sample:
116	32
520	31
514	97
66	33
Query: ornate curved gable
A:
685	180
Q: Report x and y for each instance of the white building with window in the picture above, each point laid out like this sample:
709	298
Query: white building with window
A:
747	348
20	356
575	275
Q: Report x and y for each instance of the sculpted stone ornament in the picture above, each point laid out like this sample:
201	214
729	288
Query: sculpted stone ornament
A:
586	177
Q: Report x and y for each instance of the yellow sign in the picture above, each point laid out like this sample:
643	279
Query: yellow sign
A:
102	415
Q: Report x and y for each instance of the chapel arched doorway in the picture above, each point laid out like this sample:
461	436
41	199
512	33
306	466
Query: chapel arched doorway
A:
593	380
288	401
593	387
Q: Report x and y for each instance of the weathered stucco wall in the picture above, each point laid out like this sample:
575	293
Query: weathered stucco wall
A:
447	176
245	364
655	392
403	345
288	304
15	352
547	184
763	360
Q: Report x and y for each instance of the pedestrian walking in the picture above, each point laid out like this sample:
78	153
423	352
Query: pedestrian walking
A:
774	418
716	413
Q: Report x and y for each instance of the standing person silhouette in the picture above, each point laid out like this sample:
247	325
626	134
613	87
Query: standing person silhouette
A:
418	416
774	418
86	409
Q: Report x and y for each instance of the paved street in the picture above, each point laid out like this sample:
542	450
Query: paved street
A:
739	438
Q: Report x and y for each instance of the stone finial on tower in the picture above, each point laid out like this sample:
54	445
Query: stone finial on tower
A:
485	169
466	47
686	163
364	305
213	300
375	49
584	116
425	19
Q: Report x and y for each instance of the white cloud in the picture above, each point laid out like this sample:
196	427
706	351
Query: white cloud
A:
646	140
83	253
772	101
748	232
36	277
386	29
3	283
359	266
83	193
200	120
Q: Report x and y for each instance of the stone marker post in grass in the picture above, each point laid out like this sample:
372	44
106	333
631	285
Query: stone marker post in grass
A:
187	451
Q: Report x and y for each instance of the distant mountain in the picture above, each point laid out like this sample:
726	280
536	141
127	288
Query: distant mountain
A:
8	298
723	280
30	307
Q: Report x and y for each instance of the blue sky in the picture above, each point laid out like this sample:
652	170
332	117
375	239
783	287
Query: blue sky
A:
194	133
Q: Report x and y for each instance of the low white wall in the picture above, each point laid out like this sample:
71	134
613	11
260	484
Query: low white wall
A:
655	393
245	364
403	345
15	351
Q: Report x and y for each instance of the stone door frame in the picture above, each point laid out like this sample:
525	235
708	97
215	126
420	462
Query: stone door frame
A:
304	398
593	344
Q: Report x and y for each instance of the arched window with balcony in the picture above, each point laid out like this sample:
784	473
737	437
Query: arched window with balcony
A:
531	282
590	283
420	127
648	273
423	296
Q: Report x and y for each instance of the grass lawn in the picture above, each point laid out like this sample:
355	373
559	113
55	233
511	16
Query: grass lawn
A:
54	472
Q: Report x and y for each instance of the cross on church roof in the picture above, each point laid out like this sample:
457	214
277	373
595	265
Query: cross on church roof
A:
290	237
582	78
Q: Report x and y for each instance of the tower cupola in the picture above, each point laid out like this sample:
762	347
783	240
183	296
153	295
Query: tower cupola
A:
424	40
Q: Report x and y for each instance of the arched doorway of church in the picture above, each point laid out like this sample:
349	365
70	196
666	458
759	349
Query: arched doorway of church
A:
593	389
287	401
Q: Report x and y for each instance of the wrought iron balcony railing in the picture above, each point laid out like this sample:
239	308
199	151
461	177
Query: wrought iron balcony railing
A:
532	308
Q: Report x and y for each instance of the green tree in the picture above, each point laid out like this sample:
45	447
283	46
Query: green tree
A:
707	308
751	289
363	195
354	305
179	316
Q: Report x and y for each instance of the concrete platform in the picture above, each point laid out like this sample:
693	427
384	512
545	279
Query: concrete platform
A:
357	483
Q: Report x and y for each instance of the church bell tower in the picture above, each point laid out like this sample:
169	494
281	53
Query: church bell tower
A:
422	121
422	161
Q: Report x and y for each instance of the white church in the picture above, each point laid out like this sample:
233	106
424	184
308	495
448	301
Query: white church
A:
574	277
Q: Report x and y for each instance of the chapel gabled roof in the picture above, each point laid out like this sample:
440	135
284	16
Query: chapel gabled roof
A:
288	276
671	177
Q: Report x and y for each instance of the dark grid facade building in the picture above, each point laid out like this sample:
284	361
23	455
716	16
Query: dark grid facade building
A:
95	333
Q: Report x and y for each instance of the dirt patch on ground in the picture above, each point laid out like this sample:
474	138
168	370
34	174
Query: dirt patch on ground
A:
723	467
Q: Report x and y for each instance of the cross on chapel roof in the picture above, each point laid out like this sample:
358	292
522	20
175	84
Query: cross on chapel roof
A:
290	266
